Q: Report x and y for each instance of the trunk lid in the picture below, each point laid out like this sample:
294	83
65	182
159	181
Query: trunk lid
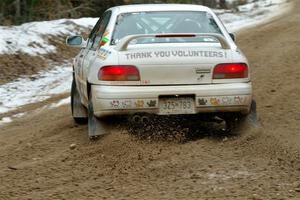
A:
179	64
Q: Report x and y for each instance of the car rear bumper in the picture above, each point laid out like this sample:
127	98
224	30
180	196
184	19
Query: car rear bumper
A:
118	100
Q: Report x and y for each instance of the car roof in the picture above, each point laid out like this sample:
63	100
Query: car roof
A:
159	7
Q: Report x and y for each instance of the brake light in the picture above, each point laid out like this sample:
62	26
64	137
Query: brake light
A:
176	36
119	73
231	70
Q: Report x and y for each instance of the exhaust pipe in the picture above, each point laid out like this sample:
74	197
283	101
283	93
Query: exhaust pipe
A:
145	119
136	119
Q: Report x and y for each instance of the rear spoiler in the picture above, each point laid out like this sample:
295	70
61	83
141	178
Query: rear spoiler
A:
124	42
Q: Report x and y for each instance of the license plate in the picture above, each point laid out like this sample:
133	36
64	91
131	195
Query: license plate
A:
178	105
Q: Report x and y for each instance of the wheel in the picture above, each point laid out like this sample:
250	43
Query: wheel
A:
79	112
96	127
237	122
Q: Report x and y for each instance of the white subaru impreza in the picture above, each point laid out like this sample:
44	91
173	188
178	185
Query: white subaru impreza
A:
164	59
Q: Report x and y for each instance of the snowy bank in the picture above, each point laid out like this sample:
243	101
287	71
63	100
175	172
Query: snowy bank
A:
31	38
35	88
253	13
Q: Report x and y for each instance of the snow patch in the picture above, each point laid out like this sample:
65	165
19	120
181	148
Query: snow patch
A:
253	13
5	120
61	102
31	38
35	88
19	115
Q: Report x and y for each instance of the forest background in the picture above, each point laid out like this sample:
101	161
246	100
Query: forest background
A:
15	12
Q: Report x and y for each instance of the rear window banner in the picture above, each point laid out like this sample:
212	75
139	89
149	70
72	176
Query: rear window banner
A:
175	53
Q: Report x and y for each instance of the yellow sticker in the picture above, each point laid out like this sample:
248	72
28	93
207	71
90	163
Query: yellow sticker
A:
139	104
215	101
105	33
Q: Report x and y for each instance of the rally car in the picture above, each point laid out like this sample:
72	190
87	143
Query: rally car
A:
161	59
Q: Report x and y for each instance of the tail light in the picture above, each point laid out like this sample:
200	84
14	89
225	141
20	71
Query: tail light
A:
231	70
176	36
119	73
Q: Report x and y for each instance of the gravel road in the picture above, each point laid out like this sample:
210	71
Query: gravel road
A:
45	155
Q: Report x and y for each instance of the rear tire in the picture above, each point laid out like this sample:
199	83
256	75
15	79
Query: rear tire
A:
236	123
79	112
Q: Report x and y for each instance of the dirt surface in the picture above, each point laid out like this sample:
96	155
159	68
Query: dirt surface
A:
12	66
47	156
15	65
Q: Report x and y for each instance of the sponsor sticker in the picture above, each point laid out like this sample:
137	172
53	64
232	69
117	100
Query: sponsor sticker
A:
226	100
151	103
139	103
214	101
223	100
238	99
126	104
202	102
103	53
115	103
104	39
132	103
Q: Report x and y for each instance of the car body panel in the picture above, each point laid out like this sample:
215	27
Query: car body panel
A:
208	98
181	70
172	65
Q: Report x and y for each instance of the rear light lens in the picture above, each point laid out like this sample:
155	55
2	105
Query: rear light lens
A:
176	36
119	73
230	70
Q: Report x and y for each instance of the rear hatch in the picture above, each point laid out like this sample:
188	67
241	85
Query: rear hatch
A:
175	64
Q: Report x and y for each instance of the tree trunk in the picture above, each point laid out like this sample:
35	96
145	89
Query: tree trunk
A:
222	4
17	4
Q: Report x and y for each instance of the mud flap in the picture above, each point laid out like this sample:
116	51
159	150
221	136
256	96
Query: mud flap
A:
96	127
252	116
79	112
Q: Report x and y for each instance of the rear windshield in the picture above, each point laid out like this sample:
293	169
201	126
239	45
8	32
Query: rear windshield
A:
164	23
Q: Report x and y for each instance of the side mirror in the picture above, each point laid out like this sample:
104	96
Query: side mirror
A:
233	37
75	41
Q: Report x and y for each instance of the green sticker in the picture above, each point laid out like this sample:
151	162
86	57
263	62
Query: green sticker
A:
105	40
